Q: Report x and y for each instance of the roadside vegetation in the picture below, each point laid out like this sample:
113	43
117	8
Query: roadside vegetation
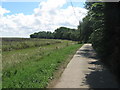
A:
34	67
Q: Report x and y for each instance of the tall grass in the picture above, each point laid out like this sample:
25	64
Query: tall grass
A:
15	57
9	44
33	67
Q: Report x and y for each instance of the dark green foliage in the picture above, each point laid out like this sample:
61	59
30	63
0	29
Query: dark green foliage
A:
66	33
102	27
93	26
112	36
60	33
92	23
86	29
43	34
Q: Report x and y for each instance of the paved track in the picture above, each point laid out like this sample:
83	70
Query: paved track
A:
85	71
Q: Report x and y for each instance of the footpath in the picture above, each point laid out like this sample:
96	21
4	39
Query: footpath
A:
86	71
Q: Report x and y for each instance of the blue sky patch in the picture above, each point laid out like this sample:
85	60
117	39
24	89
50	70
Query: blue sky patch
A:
27	8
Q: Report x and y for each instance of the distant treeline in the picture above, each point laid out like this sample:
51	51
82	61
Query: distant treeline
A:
60	33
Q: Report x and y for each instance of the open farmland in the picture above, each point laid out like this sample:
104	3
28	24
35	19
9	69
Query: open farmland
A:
33	66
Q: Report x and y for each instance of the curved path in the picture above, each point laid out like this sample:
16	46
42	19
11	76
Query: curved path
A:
85	71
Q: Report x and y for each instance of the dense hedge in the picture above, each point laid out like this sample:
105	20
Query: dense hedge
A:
103	25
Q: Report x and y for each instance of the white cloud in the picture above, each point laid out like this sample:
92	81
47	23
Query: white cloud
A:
3	11
48	16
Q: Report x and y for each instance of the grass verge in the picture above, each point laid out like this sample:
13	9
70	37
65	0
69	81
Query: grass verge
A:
60	69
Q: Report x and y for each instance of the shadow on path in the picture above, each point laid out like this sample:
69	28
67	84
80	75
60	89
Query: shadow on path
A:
88	52
99	77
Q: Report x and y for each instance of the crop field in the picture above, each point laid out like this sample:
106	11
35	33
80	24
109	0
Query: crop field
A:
31	63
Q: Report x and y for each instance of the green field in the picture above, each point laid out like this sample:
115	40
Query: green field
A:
34	66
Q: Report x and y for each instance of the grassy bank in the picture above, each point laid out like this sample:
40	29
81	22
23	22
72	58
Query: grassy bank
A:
34	67
20	56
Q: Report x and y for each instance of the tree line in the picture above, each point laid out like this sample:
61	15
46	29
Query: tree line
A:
60	33
101	27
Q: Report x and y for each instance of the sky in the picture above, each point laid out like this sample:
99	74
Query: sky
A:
20	19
